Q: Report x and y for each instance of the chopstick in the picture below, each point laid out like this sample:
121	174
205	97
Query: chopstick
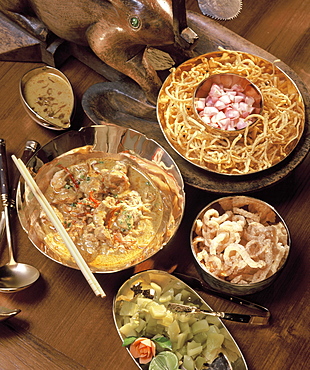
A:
75	253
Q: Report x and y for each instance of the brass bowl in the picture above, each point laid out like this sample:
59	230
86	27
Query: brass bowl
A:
219	279
228	80
108	140
269	142
48	97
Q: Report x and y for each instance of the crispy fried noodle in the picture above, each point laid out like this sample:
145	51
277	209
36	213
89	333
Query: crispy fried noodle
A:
275	135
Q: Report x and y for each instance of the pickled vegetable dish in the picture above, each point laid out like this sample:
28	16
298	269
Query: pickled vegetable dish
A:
194	340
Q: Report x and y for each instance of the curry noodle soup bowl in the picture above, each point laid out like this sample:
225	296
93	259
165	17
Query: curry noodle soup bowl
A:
275	134
240	244
118	194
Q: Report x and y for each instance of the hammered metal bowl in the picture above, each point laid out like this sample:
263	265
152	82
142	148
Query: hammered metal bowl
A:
115	140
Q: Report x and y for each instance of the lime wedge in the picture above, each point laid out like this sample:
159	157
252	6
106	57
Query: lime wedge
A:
164	361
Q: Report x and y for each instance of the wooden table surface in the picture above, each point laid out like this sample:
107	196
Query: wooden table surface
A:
63	325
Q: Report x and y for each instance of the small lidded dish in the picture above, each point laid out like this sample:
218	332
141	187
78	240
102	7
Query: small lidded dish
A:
48	97
240	244
227	103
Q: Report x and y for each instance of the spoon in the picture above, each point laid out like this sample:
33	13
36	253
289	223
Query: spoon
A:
6	313
13	276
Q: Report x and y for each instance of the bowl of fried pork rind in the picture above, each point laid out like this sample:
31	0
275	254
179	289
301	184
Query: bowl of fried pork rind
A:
240	244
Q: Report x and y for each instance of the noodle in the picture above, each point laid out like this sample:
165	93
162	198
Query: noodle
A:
270	140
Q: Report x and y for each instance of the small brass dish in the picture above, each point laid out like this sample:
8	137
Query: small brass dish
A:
48	97
228	81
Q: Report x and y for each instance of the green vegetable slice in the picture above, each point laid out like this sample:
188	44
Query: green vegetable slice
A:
164	361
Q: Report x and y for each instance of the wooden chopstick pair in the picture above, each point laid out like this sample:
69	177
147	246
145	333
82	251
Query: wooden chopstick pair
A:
89	276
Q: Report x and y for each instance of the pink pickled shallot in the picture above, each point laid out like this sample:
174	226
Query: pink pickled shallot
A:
225	108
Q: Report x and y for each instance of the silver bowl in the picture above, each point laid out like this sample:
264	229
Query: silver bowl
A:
220	275
48	98
109	139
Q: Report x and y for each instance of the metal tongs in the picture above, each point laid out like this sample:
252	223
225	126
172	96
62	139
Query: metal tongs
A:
242	318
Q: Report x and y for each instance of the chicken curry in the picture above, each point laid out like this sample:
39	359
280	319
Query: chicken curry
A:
114	210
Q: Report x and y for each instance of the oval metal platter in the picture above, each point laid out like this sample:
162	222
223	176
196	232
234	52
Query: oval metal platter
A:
155	284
